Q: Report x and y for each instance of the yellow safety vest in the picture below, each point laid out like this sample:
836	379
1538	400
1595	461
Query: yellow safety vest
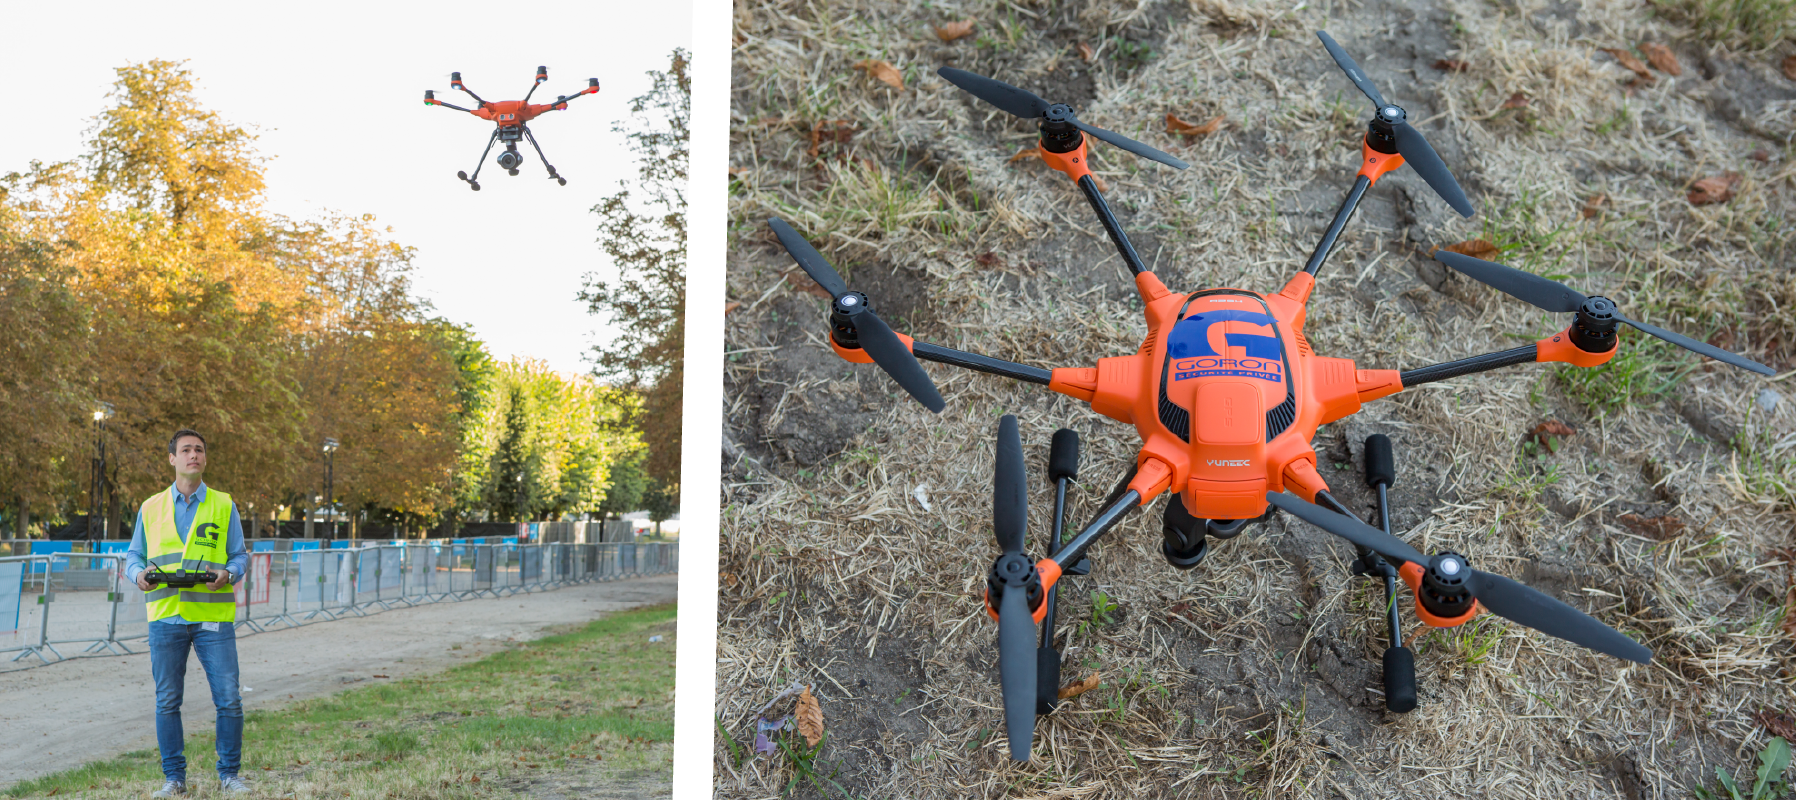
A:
204	549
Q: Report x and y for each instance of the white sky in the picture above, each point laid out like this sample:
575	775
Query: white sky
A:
335	92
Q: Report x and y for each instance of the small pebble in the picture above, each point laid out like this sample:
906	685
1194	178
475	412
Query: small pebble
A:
1768	400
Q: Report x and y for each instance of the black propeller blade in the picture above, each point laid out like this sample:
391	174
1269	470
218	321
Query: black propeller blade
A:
872	333
1025	104
808	258
1010	490
1551	295
1384	544
1501	596
1017	668
1411	144
1520	604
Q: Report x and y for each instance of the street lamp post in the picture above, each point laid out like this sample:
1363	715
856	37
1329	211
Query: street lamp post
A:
330	462
102	412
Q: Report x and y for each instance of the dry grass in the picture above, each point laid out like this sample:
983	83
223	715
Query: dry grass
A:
1249	676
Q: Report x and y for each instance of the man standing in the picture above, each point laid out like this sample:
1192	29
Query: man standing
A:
179	528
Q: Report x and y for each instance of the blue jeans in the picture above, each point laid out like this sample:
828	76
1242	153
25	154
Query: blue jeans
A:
169	643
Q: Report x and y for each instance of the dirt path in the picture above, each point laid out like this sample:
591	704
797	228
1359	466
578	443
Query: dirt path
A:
65	714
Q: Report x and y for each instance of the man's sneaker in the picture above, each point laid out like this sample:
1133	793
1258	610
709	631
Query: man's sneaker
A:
171	788
232	784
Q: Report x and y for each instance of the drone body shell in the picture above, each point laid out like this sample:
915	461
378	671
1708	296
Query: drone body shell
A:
1226	395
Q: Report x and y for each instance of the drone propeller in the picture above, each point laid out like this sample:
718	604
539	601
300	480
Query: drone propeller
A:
1024	104
872	333
1504	597
1014	575
1410	143
1550	295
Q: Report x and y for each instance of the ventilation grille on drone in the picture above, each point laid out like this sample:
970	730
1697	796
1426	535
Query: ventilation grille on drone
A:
1281	417
1176	419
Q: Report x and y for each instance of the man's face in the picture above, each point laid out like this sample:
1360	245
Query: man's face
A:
189	458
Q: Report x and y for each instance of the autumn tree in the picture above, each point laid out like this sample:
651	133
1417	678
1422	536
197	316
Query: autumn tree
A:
643	229
193	307
44	395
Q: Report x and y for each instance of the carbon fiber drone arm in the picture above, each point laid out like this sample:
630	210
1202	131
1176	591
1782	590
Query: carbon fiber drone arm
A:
991	366
1124	247
1559	347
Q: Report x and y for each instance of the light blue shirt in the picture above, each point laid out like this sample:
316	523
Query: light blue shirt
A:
237	555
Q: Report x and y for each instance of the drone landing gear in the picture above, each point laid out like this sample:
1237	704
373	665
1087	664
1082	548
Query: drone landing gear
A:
539	154
474	182
1063	467
1399	661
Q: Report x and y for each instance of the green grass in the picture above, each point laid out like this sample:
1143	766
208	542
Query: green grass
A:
1754	23
598	698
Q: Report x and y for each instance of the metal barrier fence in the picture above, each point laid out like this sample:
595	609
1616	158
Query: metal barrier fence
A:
97	612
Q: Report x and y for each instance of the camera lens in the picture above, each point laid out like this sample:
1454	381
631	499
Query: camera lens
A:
510	160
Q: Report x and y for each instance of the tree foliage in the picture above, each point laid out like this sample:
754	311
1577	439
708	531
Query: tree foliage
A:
147	274
643	230
552	442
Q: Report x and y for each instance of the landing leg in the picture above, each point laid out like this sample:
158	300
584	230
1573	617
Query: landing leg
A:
539	154
474	182
1399	661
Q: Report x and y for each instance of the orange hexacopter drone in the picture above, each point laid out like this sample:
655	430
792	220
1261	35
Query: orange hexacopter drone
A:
1226	394
511	118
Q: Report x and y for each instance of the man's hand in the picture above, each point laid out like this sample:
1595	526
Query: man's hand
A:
143	580
221	579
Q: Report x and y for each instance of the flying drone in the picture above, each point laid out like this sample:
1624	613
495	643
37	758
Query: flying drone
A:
1226	395
512	119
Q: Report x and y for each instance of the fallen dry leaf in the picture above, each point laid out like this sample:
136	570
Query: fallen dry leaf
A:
883	71
809	716
1628	60
954	30
1181	127
1660	528
1554	427
732	306
1713	189
834	131
1476	248
1450	65
1517	100
1662	58
1776	723
989	260
1789	66
1551	427
1086	54
1072	690
1593	206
